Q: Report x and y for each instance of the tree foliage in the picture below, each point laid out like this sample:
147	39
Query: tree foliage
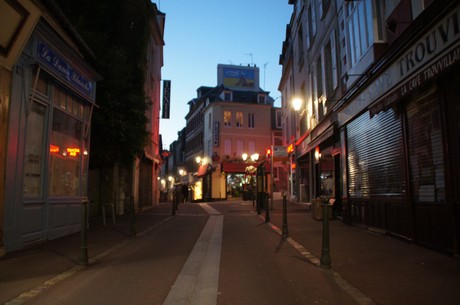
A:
117	32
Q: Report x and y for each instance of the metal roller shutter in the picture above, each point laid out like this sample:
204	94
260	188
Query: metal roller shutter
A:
375	155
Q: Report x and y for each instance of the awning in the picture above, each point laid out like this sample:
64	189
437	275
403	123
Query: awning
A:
202	170
329	132
234	167
240	166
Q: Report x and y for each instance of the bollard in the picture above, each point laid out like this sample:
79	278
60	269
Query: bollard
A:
325	257
173	203
266	207
83	260
132	225
285	228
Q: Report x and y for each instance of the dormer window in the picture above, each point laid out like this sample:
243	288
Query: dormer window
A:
261	98
227	96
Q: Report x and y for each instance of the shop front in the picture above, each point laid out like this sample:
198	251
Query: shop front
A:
402	140
320	165
53	95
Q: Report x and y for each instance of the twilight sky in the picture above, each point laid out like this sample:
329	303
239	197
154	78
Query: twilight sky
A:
201	34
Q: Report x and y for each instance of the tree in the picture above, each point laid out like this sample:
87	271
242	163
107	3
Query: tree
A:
117	33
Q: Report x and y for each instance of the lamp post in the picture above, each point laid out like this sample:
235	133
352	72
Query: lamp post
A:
251	170
296	105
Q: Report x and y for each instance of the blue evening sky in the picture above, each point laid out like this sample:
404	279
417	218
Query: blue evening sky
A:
201	34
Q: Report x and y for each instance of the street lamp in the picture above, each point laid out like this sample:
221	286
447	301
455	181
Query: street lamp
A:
297	103
251	169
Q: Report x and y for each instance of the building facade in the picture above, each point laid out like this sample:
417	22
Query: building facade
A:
48	111
223	122
146	168
390	130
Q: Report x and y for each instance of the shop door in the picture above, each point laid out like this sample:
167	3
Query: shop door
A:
453	161
433	221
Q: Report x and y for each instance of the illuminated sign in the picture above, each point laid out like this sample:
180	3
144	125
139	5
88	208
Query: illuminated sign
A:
54	148
73	151
239	77
290	148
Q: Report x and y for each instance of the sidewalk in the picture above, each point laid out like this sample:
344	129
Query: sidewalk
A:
28	269
386	270
383	269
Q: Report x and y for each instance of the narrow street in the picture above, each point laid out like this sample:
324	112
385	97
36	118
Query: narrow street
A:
221	253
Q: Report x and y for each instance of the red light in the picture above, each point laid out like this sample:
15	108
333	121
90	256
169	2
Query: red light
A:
54	148
268	152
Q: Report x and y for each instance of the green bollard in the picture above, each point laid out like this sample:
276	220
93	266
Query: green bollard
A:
267	208
173	203
132	225
83	260
285	228
325	257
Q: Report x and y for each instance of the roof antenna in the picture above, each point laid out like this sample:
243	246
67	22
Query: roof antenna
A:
265	66
252	59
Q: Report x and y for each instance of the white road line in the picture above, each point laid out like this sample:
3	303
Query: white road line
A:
198	281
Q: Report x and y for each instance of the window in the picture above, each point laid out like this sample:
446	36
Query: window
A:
330	65
323	5
360	29
228	147
300	46
311	20
319	88
426	149
251	122
68	151
33	164
261	98
64	167
239	147
227	95
239	119
251	147
227	119
417	7
209	121
279	119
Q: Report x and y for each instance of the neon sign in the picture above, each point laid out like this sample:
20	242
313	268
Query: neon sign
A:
54	148
73	151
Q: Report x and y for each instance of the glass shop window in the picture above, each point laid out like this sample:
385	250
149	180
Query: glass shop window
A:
65	155
426	149
34	152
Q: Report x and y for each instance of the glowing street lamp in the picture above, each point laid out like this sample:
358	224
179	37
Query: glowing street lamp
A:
297	103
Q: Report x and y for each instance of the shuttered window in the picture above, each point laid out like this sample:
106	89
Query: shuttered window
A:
425	149
375	156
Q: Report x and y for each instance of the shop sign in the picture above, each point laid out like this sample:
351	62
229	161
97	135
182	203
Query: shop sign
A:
280	153
215	134
63	69
439	66
166	99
